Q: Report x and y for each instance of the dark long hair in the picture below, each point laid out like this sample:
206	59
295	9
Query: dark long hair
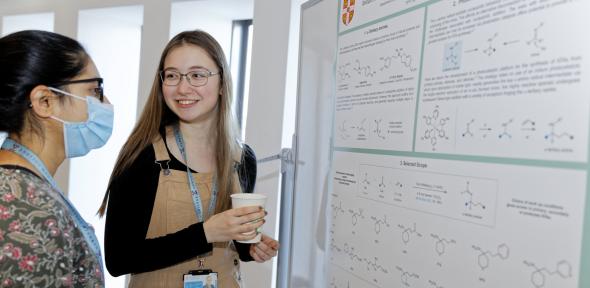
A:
30	58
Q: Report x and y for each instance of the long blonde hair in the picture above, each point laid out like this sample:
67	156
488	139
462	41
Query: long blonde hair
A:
156	115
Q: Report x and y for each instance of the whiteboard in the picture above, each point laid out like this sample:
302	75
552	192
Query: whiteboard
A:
317	52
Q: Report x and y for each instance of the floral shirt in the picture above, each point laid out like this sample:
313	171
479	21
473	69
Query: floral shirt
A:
39	244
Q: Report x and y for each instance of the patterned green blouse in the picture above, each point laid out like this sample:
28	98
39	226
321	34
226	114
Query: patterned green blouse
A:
39	244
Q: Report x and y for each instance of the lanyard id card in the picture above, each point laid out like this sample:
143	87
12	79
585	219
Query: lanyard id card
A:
203	278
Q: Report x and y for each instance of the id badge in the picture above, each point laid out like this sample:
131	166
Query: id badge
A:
204	278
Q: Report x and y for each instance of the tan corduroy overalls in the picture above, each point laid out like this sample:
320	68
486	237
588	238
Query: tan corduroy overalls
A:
174	210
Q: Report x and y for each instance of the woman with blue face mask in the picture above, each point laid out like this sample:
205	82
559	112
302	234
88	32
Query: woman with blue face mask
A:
52	107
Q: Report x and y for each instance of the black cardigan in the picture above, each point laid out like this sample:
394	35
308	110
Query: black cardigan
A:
130	205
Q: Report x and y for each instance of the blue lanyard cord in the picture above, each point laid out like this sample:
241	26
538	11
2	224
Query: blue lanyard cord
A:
191	181
84	227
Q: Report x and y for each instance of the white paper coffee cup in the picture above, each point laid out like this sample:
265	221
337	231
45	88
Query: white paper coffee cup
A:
249	199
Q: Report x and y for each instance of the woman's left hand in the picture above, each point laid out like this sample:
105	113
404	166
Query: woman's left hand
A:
265	249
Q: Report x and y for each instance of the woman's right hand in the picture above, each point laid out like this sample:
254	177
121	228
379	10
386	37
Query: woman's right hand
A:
232	223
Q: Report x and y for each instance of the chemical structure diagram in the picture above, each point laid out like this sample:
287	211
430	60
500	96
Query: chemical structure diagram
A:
563	269
343	72
378	222
377	129
483	259
354	215
407	232
401	56
528	127
350	253
435	127
468	129
363	70
491	49
382	187
362	130
505	133
441	243
469	203
434	284
337	209
348	250
365	184
347	70
343	131
552	135
452	56
406	277
379	185
373	265
512	128
360	127
334	284
536	41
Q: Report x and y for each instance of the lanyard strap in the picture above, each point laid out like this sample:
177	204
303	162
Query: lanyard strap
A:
85	228
191	181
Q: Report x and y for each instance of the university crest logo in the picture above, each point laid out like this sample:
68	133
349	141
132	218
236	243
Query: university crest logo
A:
347	11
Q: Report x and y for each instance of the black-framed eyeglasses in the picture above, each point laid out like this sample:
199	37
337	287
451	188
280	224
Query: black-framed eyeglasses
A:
98	91
197	77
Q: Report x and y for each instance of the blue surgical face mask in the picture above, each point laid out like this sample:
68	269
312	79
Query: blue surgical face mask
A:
81	137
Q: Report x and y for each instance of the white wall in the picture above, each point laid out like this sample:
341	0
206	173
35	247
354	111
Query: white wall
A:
37	21
99	31
214	16
265	111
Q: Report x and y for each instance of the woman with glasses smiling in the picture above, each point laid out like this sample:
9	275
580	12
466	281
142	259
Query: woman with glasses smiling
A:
169	193
52	107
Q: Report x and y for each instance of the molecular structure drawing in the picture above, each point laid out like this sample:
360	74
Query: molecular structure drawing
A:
361	126
406	276
528	126
470	203
435	127
337	209
343	72
356	215
468	129
441	244
452	56
375	266
434	284
551	136
334	284
378	222
491	49
483	259
407	232
343	131
536	41
563	269
378	131
505	133
401	56
365	183
364	70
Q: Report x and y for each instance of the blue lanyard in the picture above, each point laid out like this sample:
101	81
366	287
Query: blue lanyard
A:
84	227
191	181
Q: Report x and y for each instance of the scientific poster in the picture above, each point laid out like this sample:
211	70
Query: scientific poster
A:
461	144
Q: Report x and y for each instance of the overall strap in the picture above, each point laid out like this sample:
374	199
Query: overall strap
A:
162	157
